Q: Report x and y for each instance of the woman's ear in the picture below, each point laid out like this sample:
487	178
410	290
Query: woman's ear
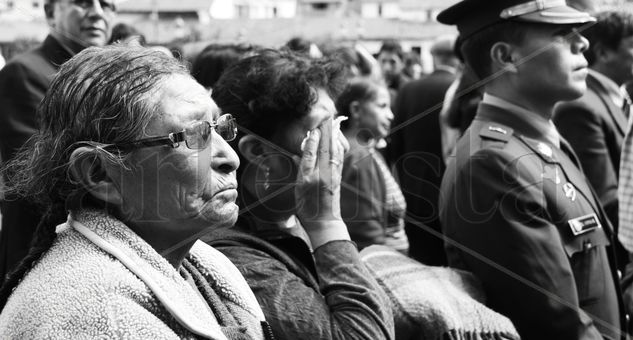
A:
504	57
88	168
251	148
355	110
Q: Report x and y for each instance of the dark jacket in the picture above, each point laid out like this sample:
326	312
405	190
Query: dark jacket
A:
23	83
416	152
329	296
363	197
509	202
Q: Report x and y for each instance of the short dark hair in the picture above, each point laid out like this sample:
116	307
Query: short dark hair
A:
298	45
608	31
215	59
274	87
392	46
476	48
123	31
358	89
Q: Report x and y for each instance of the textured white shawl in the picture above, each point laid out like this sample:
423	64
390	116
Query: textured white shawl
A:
101	280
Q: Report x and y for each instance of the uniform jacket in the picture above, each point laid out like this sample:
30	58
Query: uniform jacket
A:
23	83
595	128
363	196
327	294
509	200
416	152
100	280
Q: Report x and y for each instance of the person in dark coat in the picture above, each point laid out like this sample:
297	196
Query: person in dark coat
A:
515	207
74	25
290	241
416	152
595	123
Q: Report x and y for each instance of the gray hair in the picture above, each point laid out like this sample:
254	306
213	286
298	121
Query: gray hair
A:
101	95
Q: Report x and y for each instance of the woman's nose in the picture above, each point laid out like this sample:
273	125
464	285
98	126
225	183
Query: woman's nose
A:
224	159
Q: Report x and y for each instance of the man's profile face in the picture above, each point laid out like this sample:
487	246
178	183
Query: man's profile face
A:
82	23
550	62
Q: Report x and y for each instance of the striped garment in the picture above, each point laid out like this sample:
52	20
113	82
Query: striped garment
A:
625	192
396	208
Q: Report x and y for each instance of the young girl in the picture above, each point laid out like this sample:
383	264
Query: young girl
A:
372	203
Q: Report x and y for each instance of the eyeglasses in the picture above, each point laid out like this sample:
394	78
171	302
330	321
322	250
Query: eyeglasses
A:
196	136
106	6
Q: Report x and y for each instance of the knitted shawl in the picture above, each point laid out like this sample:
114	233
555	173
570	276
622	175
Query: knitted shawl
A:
101	280
434	303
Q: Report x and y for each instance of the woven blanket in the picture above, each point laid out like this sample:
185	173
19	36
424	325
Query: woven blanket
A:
434	302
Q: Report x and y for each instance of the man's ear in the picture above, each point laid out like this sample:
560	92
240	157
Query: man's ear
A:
601	52
88	168
251	148
504	57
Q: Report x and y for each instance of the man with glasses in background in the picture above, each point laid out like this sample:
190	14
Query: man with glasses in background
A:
74	25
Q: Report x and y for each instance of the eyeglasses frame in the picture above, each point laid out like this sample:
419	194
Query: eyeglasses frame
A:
173	139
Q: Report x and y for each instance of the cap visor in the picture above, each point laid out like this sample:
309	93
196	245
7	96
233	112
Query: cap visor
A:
558	15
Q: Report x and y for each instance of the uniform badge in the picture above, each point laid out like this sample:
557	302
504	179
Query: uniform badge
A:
584	224
570	191
498	129
544	149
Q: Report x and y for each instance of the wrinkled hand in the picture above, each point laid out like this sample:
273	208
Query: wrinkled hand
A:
318	189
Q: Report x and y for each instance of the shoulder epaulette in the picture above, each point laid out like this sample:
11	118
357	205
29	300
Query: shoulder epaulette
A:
496	132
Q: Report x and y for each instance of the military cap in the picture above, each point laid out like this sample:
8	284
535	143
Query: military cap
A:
471	16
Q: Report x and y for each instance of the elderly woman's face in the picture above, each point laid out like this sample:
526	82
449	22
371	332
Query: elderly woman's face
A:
193	188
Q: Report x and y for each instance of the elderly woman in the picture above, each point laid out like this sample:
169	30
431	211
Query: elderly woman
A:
374	206
292	246
133	151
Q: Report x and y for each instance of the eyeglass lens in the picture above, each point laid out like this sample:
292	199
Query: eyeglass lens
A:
197	136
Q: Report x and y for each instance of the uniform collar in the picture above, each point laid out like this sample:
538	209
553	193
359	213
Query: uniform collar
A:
525	117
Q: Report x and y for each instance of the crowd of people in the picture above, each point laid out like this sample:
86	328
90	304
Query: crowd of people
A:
321	192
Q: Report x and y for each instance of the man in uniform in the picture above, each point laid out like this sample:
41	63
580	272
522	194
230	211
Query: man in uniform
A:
74	25
516	209
595	123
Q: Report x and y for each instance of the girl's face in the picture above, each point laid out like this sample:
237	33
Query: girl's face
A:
375	114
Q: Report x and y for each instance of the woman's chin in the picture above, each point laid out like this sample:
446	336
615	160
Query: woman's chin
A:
220	216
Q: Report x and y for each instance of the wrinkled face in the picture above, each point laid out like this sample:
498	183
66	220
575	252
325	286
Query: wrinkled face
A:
390	63
194	189
283	170
621	61
551	63
82	23
375	114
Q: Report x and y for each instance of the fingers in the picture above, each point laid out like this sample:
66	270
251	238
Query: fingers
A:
309	155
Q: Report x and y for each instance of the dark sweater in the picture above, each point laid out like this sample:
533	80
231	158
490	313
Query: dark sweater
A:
325	295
